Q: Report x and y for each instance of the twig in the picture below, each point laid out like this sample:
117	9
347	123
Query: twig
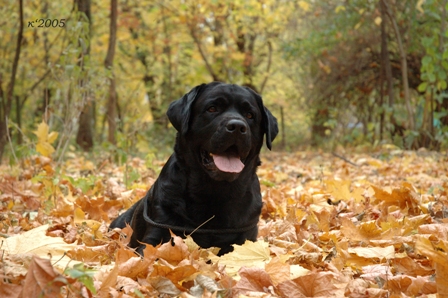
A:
10	141
344	159
202	225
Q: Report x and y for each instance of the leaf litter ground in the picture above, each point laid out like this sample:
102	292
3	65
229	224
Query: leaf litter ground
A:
361	225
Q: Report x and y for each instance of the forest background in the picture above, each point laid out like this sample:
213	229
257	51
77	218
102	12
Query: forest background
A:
102	73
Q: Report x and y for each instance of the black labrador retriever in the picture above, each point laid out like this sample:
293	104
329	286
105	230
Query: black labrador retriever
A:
208	188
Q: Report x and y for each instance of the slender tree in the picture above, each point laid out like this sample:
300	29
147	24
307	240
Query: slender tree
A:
6	99
84	137
108	63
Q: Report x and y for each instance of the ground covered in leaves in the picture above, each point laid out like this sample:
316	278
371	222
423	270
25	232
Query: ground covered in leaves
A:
347	224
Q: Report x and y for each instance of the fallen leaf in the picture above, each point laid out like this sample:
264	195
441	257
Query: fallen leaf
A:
278	270
250	254
253	280
315	284
42	280
38	243
387	252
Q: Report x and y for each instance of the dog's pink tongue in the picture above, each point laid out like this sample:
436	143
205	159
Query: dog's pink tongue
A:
229	164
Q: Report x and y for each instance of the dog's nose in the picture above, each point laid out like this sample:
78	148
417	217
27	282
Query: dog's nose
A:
236	126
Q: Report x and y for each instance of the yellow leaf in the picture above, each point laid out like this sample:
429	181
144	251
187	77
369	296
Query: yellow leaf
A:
339	8
44	139
44	148
341	191
304	5
369	229
419	5
79	218
297	271
42	132
424	247
250	254
192	246
52	137
387	252
36	242
79	215
378	21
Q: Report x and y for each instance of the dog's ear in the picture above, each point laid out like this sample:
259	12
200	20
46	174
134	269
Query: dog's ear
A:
271	127
269	122
179	111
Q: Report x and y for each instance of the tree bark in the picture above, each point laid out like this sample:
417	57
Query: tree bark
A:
5	107
404	66
386	68
108	63
84	137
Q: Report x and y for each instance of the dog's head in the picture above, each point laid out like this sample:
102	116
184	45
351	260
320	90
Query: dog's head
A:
221	128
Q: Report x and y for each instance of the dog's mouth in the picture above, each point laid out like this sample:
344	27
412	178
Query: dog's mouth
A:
228	161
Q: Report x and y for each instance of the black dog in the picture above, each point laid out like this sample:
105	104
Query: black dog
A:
209	187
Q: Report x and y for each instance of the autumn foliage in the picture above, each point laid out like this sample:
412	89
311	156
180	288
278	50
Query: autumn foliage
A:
358	225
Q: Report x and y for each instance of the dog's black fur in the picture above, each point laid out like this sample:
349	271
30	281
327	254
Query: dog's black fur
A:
222	119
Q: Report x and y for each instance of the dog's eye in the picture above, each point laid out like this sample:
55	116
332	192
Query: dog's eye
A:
212	109
249	116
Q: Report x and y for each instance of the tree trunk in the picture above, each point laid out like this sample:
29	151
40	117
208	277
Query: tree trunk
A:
84	137
404	67
246	43
386	68
108	63
318	128
283	131
6	103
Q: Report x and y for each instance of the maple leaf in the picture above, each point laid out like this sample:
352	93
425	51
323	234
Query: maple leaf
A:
42	280
45	139
278	270
315	284
38	243
373	252
440	257
250	254
253	280
173	251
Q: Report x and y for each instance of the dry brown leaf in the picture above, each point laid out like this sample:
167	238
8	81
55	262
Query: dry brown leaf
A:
421	286
359	288
109	281
278	271
8	290
36	242
315	284
442	278
252	280
134	267
164	286
387	252
173	251
372	272
438	230
42	280
409	266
